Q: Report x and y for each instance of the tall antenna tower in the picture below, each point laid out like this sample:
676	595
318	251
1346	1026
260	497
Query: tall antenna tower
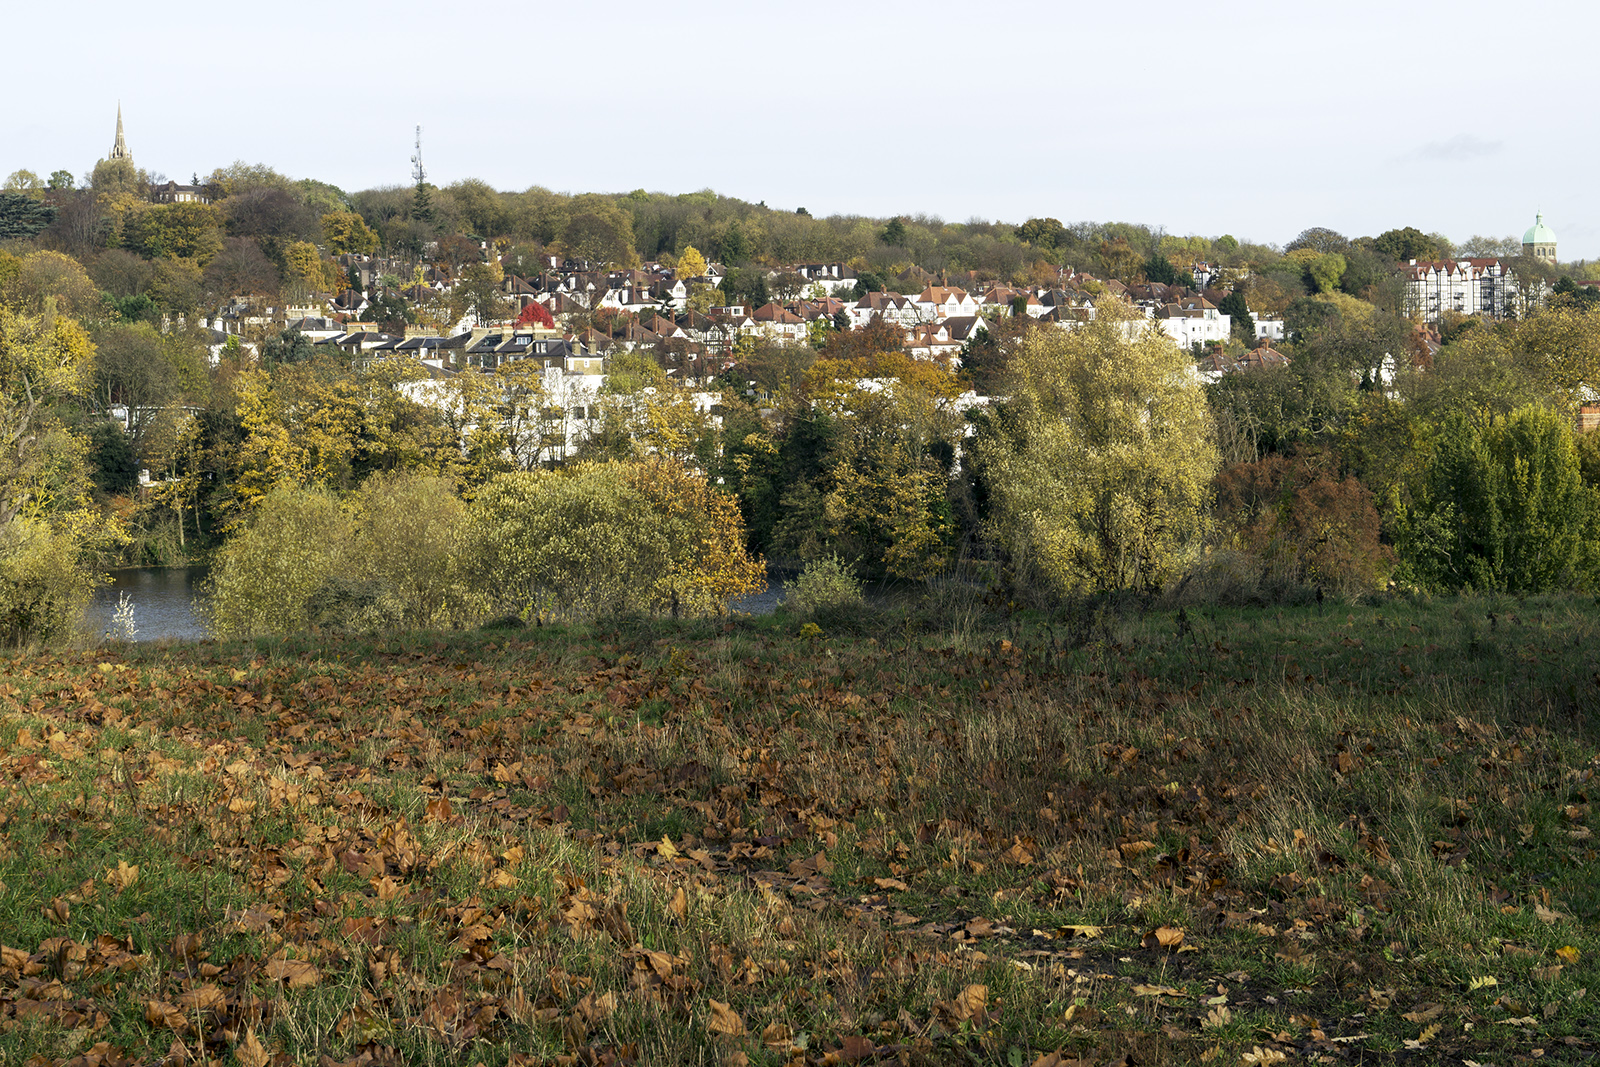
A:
419	173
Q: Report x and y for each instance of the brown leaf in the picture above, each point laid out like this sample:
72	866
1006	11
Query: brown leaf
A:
249	1052
679	905
970	1003
159	1013
890	883
724	1020
855	1048
1167	937
1157	991
596	1010
777	1036
298	973
1548	915
202	998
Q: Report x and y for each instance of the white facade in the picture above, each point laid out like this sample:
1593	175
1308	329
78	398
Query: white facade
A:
1466	286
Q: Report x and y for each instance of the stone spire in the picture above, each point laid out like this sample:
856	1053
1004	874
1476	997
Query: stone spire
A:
120	149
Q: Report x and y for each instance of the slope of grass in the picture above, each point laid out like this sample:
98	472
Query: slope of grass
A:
918	835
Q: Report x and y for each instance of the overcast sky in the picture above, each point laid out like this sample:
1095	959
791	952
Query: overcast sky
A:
1255	119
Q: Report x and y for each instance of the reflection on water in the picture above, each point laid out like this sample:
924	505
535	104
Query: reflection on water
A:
163	602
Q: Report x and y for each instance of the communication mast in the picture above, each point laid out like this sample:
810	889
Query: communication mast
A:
418	172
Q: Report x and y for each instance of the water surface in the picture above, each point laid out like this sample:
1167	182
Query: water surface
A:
163	602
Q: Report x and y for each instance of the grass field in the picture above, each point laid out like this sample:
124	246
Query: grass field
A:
912	835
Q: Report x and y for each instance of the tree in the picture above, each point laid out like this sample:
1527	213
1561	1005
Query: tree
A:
1326	270
691	264
478	294
1242	324
1304	523
23	216
1318	239
601	235
51	281
1505	506
131	368
894	235
25	182
290	346
240	269
1042	233
44	360
186	230
1157	268
1399	246
121	273
1098	467
305	271
605	538
62	180
346	232
1119	259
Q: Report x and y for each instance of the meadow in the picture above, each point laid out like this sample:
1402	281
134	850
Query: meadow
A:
924	832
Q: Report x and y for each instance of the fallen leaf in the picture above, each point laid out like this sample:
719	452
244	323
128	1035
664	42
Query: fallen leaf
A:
1157	991
1482	983
1167	937
249	1052
724	1020
890	883
1548	915
1259	1055
1568	953
777	1036
297	973
679	904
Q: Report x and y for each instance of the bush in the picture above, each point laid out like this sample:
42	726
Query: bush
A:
826	583
264	579
43	588
1303	524
1505	507
606	539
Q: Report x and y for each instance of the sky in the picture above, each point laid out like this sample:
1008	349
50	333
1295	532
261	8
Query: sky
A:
1250	118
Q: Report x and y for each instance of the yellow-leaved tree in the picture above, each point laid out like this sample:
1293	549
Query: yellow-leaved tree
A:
50	531
603	538
1099	465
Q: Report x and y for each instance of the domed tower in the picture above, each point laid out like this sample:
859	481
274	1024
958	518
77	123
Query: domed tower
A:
1540	241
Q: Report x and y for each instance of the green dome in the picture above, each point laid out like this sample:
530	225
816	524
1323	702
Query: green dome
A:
1539	233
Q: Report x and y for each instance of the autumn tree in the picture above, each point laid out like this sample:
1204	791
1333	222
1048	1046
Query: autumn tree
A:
1098	466
346	232
604	538
49	530
187	230
1302	522
691	264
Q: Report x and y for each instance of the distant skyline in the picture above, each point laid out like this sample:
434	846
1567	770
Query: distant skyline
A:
1247	118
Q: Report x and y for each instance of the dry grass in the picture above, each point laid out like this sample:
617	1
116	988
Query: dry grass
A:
960	838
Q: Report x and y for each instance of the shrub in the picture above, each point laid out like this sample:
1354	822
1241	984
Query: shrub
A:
1505	507
43	588
1304	524
606	539
824	583
265	577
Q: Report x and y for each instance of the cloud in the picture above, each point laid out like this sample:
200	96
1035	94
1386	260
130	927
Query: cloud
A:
1460	148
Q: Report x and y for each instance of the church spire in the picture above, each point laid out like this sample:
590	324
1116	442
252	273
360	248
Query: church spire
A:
120	149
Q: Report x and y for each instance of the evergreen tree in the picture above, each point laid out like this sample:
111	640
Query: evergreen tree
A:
23	216
1244	324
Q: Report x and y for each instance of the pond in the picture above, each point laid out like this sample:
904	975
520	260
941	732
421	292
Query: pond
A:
162	598
163	601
